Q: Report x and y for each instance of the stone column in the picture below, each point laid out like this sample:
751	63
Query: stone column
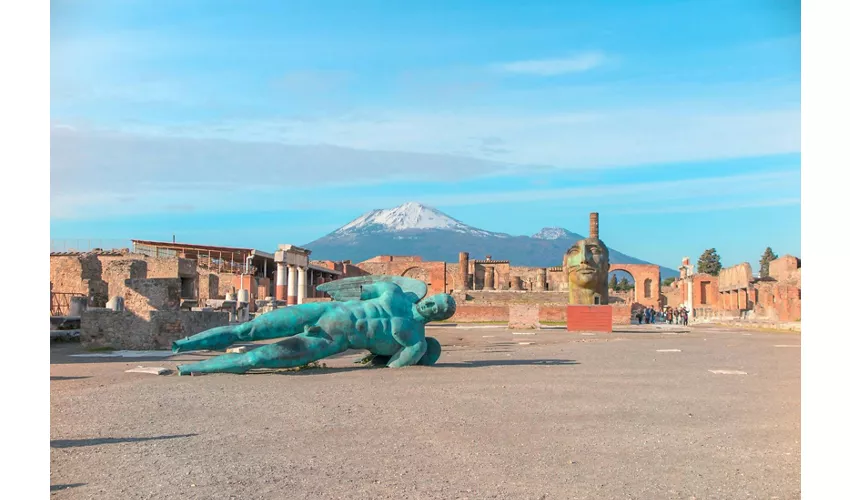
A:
488	278
540	283
463	265
291	298
280	282
302	284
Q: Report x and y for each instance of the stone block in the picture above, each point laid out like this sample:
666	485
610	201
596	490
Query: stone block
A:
524	316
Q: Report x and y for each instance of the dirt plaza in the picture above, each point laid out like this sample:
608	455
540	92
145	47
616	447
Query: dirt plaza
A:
651	411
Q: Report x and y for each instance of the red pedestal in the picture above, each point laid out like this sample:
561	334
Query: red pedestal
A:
590	319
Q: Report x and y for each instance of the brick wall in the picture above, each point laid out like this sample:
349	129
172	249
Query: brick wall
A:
478	314
523	316
553	314
432	273
621	314
589	319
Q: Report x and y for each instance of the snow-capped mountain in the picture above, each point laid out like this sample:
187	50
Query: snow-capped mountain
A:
554	233
417	229
406	217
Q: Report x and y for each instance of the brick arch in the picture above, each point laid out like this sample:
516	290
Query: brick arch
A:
417	272
641	273
613	297
451	283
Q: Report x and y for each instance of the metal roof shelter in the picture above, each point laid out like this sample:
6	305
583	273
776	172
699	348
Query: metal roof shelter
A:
234	260
223	259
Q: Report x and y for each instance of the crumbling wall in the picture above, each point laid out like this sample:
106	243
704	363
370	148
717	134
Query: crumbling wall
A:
556	280
208	286
502	296
785	268
79	273
152	294
432	273
675	294
117	271
152	330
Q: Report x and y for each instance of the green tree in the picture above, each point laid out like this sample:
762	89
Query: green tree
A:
613	283
709	262
764	263
668	281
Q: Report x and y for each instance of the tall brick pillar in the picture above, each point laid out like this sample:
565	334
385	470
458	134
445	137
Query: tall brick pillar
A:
594	225
463	265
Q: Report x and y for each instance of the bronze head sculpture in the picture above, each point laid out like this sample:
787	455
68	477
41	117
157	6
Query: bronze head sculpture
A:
586	265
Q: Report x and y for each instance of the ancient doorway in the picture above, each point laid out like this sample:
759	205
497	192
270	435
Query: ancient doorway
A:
621	285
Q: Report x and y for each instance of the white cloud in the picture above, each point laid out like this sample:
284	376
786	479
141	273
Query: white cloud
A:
711	207
558	139
97	171
103	174
551	67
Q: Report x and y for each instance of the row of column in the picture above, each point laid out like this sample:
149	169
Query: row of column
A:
295	289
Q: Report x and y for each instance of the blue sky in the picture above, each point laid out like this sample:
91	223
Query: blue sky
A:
259	123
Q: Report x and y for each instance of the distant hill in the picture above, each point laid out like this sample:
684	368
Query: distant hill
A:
416	229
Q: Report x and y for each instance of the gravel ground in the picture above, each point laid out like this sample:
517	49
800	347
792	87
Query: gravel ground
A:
550	415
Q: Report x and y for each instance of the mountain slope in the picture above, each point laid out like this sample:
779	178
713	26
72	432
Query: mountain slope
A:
416	229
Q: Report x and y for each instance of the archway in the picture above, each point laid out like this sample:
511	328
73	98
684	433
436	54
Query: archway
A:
418	273
647	279
450	282
621	286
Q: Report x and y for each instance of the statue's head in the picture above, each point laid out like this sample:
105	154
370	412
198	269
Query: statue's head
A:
587	267
436	307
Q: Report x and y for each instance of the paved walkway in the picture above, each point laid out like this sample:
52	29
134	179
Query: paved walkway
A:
704	413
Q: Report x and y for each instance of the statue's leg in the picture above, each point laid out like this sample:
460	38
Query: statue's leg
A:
288	353
283	322
432	354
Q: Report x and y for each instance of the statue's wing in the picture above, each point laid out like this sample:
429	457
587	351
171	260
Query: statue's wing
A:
350	288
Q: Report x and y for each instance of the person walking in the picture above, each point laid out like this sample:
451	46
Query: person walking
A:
639	316
685	316
646	315
676	315
652	314
669	315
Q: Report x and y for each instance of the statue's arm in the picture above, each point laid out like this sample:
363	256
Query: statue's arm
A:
412	339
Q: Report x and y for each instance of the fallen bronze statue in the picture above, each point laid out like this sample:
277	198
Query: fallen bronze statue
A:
385	315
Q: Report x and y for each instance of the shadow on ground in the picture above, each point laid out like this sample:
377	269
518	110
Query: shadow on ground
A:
66	378
57	487
507	362
72	443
